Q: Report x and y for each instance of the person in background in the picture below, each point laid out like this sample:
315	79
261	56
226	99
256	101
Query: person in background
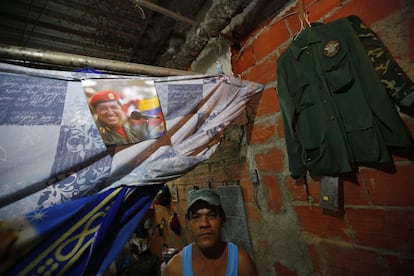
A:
208	254
110	121
145	262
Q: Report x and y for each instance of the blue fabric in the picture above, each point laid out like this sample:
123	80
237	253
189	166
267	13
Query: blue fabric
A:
88	70
83	236
232	260
186	261
232	268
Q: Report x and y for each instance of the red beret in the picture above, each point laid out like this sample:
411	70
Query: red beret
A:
104	96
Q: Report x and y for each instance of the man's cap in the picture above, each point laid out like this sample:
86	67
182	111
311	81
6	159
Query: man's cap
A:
104	96
207	195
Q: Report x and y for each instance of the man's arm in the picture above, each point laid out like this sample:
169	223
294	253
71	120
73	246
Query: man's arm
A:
246	265
173	267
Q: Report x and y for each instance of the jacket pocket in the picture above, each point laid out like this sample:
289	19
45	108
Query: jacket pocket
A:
320	159
337	72
364	140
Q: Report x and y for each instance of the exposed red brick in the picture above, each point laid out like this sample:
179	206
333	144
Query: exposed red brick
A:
368	11
314	10
203	178
247	39
244	182
243	61
266	104
248	191
391	189
239	170
313	221
270	39
203	169
351	261
178	181
294	24
186	178
264	72
262	134
388	229
318	9
272	161
314	188
297	189
218	172
282	49
355	193
274	195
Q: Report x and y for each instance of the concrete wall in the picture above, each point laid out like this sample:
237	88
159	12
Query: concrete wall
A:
290	233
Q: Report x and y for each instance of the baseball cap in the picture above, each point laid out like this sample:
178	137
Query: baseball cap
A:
104	96
207	195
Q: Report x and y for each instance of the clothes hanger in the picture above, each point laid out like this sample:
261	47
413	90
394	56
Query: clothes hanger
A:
303	16
307	20
302	27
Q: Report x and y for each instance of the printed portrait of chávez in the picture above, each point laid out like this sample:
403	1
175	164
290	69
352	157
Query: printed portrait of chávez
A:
125	111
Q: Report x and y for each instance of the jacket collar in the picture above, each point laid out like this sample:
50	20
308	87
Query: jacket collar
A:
303	40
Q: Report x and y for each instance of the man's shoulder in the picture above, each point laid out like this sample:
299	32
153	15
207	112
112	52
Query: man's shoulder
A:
243	253
246	264
174	265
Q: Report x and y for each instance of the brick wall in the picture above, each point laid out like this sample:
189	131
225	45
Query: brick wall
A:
290	233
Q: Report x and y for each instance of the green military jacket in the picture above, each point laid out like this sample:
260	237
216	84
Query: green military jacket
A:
335	111
111	137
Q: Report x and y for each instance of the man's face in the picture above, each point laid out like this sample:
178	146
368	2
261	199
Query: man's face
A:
109	113
205	222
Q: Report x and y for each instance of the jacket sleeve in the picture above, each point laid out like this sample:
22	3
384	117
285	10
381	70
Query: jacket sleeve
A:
395	81
391	126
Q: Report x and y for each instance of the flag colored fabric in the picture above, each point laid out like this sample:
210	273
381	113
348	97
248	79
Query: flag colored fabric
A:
75	238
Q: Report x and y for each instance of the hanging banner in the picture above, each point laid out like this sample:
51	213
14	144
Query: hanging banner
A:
66	194
51	149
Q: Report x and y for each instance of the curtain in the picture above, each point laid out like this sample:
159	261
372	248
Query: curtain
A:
68	202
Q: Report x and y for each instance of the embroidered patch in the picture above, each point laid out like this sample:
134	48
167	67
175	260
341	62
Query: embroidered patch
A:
331	48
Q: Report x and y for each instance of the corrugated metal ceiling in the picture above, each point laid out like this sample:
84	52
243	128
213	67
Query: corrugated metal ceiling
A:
120	30
128	30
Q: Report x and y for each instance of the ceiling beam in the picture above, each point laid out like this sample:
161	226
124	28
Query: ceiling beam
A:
164	11
79	61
